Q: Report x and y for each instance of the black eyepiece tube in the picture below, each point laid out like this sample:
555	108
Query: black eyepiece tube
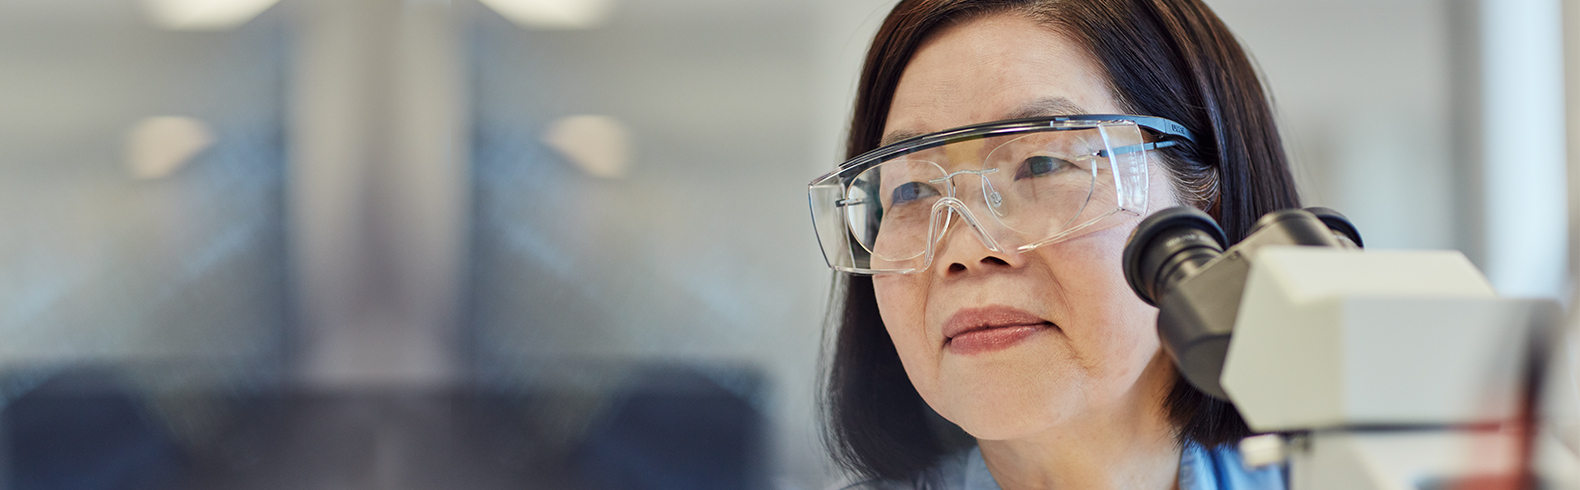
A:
1340	224
1169	246
1178	261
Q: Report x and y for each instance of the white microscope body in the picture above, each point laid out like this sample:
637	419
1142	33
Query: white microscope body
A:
1368	370
1405	367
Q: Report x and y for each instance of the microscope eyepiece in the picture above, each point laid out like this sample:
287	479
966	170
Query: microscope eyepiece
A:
1339	224
1169	246
1180	261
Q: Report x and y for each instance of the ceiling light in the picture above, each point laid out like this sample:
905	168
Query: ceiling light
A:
599	145
553	14
158	146
203	15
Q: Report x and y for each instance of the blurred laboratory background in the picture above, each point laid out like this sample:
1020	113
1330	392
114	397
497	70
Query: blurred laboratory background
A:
422	244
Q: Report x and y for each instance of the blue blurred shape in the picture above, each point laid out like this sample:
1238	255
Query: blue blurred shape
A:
62	438
673	428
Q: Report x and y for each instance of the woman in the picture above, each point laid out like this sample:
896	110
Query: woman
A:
987	337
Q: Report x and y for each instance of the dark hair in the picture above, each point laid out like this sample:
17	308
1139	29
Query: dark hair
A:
1168	58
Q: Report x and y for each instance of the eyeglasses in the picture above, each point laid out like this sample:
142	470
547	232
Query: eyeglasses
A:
1041	180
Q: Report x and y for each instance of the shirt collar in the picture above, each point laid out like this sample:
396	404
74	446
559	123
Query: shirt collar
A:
1196	471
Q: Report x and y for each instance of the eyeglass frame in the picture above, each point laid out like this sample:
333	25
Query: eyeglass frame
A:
1170	134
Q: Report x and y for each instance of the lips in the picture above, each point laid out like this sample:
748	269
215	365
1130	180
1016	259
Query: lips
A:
976	330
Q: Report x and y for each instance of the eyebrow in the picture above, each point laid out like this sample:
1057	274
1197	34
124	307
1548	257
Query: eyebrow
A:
898	136
1051	106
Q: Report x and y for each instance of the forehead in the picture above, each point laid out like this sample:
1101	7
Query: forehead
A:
992	68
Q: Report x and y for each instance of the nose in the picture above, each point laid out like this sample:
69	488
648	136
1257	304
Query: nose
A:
965	248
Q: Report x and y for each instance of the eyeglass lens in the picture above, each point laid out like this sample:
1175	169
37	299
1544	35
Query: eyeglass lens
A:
1024	188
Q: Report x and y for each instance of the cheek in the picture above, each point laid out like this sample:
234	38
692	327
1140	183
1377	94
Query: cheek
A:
902	300
1110	322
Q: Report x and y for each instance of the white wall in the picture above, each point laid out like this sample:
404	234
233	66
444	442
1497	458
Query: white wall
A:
1430	123
100	267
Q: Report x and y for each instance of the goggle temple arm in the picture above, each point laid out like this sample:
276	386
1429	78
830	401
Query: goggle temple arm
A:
1135	148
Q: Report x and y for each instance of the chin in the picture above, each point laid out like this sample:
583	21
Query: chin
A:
1009	407
1006	422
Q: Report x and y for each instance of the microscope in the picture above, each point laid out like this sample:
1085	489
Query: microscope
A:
1360	369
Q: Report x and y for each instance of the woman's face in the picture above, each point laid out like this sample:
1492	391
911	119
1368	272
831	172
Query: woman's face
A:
1065	338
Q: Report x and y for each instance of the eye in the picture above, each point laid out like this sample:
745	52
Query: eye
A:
911	191
1041	165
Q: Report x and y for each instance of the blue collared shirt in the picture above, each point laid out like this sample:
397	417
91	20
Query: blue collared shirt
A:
1200	469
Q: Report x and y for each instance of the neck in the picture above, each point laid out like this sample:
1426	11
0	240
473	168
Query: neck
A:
1128	445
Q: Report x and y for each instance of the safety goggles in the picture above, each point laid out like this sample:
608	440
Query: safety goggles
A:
1019	183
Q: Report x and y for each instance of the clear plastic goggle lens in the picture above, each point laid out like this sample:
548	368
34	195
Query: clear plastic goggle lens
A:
1020	190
